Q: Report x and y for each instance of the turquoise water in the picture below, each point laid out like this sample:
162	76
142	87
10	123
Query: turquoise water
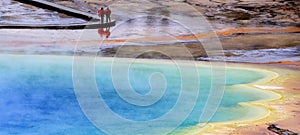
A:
37	95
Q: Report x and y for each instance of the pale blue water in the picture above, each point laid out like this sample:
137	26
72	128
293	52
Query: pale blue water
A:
37	95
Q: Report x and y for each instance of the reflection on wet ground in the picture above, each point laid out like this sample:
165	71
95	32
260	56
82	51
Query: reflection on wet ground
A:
104	32
148	26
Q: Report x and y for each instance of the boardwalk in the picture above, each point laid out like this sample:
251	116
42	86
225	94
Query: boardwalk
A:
95	24
61	9
89	25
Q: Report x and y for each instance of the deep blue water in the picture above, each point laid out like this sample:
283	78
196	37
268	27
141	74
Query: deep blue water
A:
37	95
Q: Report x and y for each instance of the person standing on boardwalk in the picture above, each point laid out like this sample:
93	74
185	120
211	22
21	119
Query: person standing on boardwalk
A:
101	14
107	14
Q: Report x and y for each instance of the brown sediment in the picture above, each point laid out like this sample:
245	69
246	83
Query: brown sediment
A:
258	30
255	33
242	30
275	37
249	12
241	42
225	33
293	65
290	64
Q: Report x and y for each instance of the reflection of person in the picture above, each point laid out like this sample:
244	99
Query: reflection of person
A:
101	14
103	32
107	32
107	14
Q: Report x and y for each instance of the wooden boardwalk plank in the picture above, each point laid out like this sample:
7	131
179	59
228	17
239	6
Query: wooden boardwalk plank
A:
90	25
61	9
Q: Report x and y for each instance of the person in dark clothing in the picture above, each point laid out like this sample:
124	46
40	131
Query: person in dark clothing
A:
101	14
107	14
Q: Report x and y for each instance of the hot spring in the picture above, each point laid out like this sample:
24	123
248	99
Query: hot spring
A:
37	94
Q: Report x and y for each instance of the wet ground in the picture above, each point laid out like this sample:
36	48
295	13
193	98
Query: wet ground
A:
158	26
261	55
